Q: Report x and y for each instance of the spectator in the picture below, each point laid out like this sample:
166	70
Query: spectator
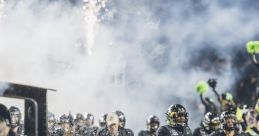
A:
5	119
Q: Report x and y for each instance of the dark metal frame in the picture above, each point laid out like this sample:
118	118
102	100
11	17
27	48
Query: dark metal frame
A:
35	101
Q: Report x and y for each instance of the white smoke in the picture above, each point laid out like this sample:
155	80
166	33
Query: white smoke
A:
139	53
3	87
2	3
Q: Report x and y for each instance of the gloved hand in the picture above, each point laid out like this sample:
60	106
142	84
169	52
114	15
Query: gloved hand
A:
212	82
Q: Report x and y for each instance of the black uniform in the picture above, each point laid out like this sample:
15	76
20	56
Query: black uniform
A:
146	133
87	131
102	132
129	132
201	132
175	130
11	133
55	131
20	130
223	134
122	132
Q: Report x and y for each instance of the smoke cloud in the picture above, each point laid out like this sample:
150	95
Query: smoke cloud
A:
144	55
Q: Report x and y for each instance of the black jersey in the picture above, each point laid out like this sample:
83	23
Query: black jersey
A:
168	130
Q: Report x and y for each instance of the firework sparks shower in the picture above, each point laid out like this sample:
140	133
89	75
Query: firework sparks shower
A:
91	10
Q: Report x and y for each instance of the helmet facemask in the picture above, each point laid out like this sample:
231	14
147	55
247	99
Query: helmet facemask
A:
89	119
214	124
229	122
180	118
122	118
15	119
102	121
153	127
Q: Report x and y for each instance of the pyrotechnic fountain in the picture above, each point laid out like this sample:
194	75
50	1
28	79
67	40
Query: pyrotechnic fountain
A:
91	10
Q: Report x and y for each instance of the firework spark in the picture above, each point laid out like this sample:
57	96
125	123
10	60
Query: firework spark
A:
91	12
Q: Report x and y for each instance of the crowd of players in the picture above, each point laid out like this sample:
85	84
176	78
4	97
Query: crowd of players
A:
228	119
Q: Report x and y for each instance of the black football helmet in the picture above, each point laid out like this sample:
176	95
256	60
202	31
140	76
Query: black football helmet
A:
229	121
89	119
153	123
122	118
51	117
5	115
177	115
212	82
64	119
16	116
79	116
102	120
211	122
